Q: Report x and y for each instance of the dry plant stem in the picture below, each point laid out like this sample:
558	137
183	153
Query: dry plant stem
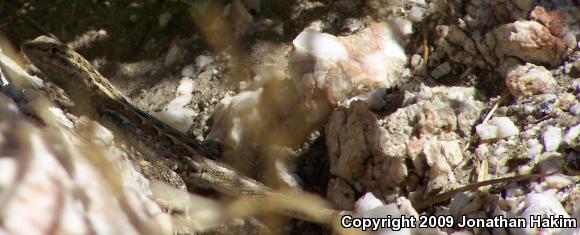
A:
489	114
495	106
432	200
425	46
96	98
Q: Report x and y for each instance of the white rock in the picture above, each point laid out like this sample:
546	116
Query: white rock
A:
180	119
571	137
558	181
176	113
343	67
368	207
534	147
367	202
417	13
506	127
60	116
575	109
539	204
187	71
552	138
570	40
320	45
486	131
202	60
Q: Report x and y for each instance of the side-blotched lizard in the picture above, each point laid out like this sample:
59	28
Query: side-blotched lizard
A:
94	96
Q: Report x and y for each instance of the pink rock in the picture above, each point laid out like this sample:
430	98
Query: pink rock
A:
556	21
529	41
529	79
346	66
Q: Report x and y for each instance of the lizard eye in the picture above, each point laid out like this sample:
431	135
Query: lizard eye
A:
53	50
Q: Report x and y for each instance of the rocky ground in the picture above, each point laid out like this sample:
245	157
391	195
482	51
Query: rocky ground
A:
377	106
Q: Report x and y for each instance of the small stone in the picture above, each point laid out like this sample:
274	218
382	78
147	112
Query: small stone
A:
320	45
164	19
187	71
552	138
441	70
575	109
543	204
506	127
343	67
529	41
172	55
570	40
416	61
417	13
529	79
367	202
486	131
534	147
571	137
566	100
202	61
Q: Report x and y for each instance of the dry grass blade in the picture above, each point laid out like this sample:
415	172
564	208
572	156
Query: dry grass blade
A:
432	200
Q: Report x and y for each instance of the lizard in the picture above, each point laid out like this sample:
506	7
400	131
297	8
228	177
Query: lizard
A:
95	97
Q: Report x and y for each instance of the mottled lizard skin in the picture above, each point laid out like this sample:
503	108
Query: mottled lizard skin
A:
94	96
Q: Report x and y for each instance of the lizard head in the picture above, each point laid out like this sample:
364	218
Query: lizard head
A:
59	63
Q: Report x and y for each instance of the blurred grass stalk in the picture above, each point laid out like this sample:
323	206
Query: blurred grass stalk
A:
219	34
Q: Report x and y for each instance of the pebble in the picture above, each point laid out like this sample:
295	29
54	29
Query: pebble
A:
497	127
320	45
529	41
441	70
542	204
187	71
417	13
202	61
571	137
552	138
416	61
534	147
172	55
506	127
367	203
486	131
164	19
529	79
575	109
